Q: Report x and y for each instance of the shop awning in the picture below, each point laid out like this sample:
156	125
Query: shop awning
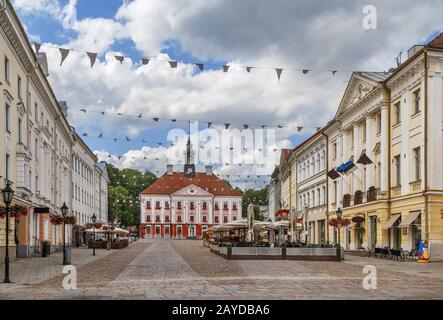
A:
391	221
409	219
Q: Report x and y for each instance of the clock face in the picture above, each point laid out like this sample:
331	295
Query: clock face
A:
189	170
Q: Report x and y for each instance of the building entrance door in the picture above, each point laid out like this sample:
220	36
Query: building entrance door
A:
157	231
166	234
179	232
372	232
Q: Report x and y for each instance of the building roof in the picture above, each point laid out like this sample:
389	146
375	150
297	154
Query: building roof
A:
285	153
437	42
171	183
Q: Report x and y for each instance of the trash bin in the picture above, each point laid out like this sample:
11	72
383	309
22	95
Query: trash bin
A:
67	256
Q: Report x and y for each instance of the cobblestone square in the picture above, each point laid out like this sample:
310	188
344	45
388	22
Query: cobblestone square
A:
174	269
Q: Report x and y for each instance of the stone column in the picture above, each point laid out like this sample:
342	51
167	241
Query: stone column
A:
405	163
357	175
369	150
384	147
346	156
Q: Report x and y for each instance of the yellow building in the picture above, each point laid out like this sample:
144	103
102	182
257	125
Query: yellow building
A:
386	144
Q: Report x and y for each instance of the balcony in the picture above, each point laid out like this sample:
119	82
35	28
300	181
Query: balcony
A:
415	186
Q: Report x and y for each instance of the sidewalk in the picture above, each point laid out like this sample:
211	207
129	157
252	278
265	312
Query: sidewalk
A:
432	269
35	270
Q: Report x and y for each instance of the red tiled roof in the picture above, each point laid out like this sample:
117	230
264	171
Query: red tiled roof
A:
437	42
168	184
286	153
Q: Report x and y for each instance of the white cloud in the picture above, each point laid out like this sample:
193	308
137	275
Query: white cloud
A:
304	34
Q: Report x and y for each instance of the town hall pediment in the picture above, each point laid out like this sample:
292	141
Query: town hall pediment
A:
192	190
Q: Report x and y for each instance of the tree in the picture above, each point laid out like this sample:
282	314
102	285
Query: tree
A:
125	187
257	197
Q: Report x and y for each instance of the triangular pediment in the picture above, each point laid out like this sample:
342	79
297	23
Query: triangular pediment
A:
192	190
358	87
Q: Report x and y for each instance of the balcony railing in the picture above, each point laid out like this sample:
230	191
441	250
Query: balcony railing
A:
415	186
396	191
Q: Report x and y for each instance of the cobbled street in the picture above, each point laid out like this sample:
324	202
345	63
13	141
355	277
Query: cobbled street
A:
173	269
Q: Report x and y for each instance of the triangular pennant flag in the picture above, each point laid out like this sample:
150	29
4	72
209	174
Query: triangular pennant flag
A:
263	126
299	129
173	120
143	140
145	61
37	47
225	68
334	72
92	57
248	69
155	119
201	66
305	71
139	116
85	134
209	124
127	139
115	140
246	126
227	125
120	59
173	64
64	53
279	71
318	128
83	110
100	135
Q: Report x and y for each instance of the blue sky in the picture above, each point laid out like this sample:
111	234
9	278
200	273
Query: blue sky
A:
277	34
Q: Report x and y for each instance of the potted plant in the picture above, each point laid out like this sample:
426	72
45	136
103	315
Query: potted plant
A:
46	248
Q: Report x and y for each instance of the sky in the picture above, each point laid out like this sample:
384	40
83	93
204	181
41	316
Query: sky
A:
314	35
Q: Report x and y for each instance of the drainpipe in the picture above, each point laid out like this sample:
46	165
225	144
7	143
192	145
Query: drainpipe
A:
425	115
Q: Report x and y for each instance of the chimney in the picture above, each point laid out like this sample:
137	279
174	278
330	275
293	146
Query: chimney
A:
64	107
414	49
169	169
208	170
43	62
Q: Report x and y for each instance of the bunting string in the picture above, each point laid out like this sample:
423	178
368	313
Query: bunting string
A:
144	61
209	123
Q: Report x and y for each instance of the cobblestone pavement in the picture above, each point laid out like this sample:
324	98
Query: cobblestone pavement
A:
174	269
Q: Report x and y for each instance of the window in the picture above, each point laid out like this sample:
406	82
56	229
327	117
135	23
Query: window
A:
8	166
20	124
191	218
216	206
179	218
378	119
225	219
225	206
335	191
192	205
8	118
416	97
397	114
216	219
157	218
148	204
205	205
166	218
148	218
417	163
167	205
334	150
397	166
234	206
363	131
179	205
19	87
204	219
7	69
157	205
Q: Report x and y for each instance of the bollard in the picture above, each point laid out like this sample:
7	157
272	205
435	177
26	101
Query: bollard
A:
229	253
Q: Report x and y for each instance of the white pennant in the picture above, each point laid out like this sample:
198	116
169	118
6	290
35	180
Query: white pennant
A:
92	57
64	53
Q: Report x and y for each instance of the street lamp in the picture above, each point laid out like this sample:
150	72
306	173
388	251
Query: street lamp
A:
339	214
8	193
64	210
94	220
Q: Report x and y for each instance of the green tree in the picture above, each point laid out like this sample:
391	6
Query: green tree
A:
257	197
125	187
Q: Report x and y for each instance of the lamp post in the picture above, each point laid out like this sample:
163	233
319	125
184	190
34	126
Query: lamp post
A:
8	193
64	210
339	214
94	220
